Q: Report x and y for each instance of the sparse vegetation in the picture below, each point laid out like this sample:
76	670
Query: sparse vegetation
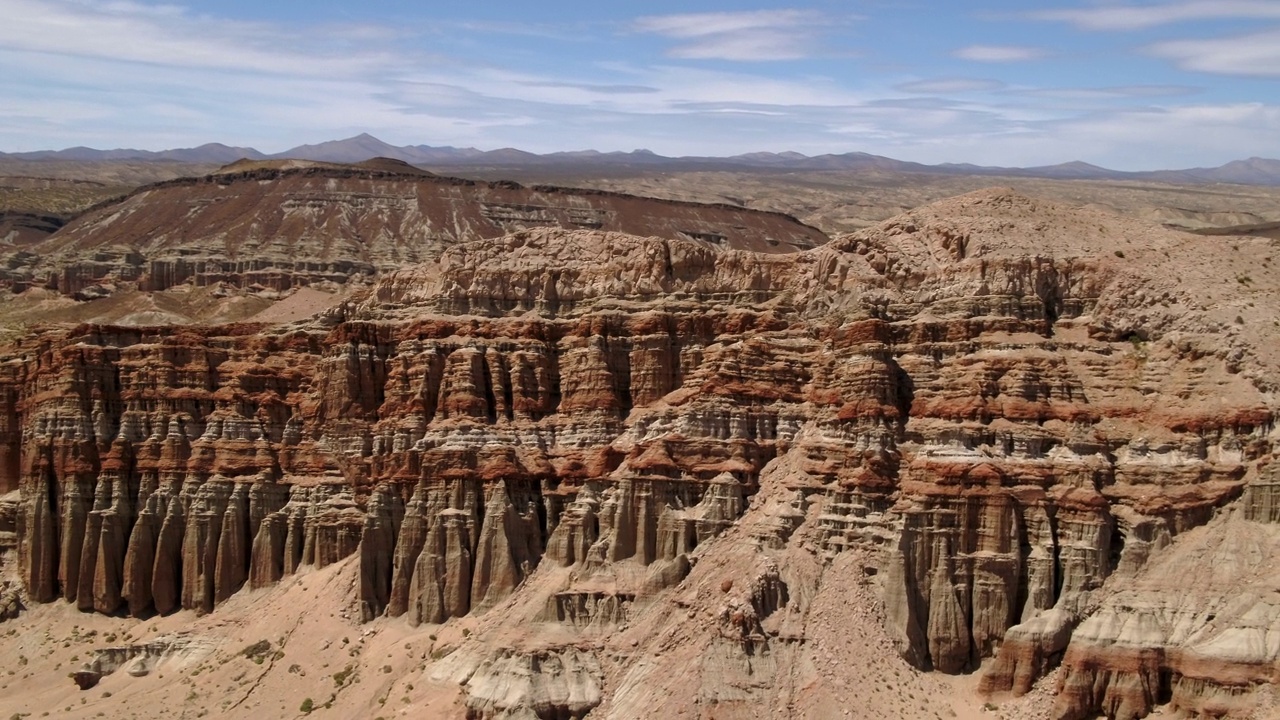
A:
442	652
340	678
259	651
54	196
307	706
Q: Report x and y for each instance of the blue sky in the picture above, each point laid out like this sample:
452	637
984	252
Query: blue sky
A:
1127	85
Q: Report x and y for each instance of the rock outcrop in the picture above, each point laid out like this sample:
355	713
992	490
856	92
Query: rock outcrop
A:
562	683
9	504
1023	431
142	660
10	601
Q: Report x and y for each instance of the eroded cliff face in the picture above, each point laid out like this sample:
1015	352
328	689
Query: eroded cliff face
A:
1016	430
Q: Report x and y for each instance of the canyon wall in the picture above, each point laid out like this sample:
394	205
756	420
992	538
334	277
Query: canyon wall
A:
1021	422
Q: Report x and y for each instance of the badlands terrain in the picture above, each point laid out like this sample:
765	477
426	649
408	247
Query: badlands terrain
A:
293	439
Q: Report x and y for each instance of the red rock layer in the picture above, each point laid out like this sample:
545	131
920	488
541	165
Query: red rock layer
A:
932	393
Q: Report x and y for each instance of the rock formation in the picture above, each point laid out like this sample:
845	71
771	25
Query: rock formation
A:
10	601
1025	426
276	225
141	660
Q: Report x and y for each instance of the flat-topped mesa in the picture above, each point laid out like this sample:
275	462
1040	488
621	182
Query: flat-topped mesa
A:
1003	433
283	224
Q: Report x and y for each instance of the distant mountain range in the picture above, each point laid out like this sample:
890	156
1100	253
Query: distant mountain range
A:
1254	171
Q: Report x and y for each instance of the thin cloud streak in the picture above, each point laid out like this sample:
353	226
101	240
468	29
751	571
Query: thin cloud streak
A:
1256	55
999	53
692	25
593	88
761	35
1138	17
169	37
1109	93
946	86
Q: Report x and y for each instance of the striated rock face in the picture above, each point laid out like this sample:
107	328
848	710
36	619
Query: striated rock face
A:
20	229
1022	432
1197	628
278	225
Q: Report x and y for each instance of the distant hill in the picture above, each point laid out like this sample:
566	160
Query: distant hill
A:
207	153
1253	171
279	224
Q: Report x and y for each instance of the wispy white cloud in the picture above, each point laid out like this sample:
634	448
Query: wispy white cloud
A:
1256	55
1109	93
1137	17
170	36
999	53
946	86
572	32
746	36
603	89
692	25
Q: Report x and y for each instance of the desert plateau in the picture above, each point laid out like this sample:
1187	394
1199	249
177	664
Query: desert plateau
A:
374	441
709	361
